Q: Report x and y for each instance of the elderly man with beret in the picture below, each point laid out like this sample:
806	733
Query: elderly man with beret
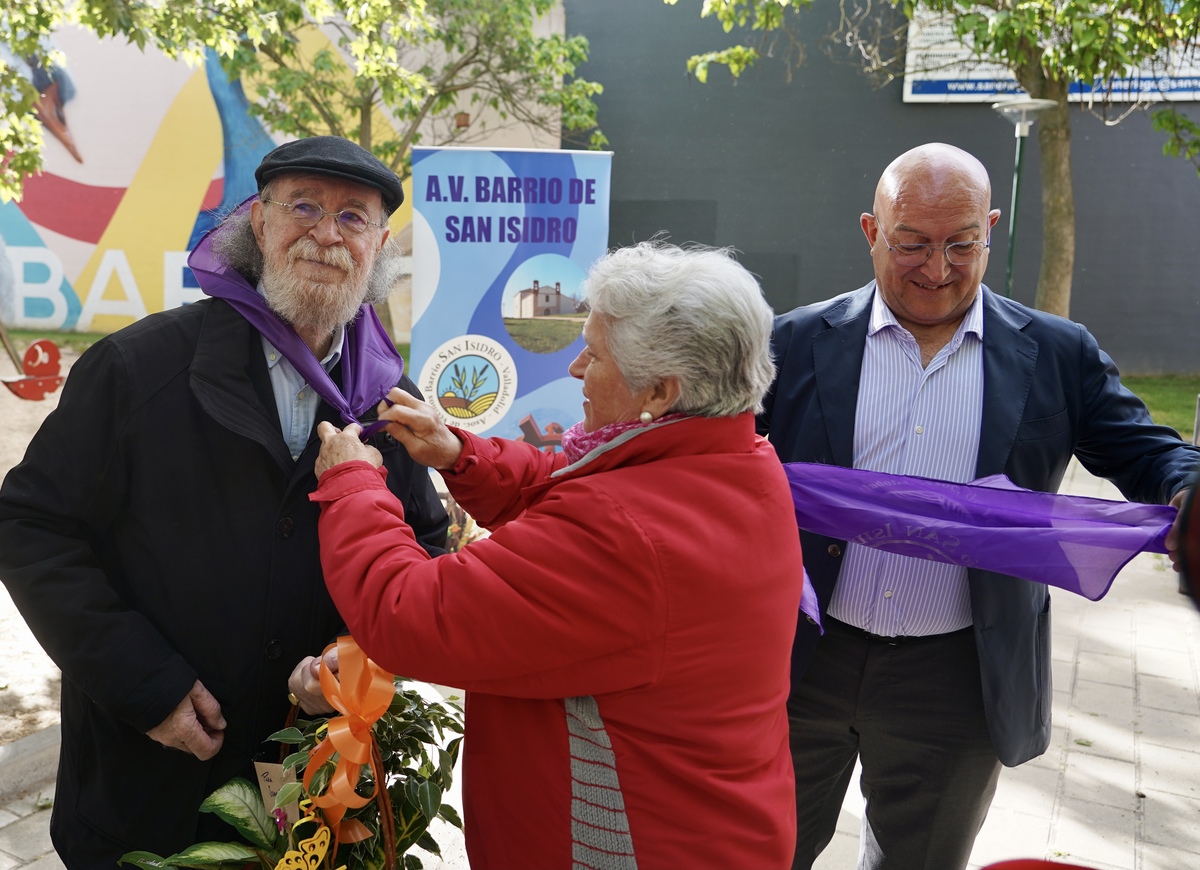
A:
158	536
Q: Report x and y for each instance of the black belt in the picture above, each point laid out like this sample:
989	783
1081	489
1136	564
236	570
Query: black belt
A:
890	640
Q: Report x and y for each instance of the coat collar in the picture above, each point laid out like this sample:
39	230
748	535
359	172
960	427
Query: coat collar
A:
690	436
228	376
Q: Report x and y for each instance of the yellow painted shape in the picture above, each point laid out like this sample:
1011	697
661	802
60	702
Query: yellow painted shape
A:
402	216
160	205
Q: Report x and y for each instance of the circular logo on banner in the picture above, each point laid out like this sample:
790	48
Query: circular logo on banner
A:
471	381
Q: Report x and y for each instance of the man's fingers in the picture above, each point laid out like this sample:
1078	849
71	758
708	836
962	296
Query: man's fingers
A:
201	743
326	430
208	708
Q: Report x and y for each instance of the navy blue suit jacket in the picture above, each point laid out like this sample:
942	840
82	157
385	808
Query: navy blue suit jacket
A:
1048	392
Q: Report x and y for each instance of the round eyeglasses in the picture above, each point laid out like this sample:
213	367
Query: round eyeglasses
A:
307	213
956	253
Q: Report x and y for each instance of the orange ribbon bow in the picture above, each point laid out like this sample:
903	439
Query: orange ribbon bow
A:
361	691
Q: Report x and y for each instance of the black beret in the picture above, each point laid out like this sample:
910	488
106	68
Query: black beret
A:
332	155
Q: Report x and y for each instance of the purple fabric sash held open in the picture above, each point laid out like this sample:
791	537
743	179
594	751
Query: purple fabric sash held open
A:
370	364
1071	542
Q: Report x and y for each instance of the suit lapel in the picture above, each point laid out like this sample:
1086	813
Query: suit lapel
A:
837	362
1009	358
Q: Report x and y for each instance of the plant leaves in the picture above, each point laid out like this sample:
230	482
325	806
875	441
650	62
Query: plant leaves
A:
240	803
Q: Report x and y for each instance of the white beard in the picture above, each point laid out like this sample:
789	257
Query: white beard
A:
312	305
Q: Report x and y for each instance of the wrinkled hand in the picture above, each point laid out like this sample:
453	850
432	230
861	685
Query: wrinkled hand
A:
343	445
417	426
196	726
1174	537
305	683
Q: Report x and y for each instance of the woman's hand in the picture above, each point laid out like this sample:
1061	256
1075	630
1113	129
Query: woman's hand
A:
418	427
338	446
305	683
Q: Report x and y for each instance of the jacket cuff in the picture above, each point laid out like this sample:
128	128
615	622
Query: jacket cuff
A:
345	478
469	457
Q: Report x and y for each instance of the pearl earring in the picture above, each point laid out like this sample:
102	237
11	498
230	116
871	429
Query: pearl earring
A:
646	417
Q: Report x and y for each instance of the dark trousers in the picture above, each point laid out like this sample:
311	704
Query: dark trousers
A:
914	712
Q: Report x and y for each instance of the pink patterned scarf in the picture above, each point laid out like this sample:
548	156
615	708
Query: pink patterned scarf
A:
576	443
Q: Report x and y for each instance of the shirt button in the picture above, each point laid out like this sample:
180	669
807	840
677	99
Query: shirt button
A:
274	650
284	527
834	550
888	594
920	430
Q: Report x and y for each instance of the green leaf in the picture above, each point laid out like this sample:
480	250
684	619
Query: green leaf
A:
429	798
450	814
289	794
297	760
145	860
204	856
240	803
287	735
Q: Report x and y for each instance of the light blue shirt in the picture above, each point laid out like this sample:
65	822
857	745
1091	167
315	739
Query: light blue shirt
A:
295	400
922	421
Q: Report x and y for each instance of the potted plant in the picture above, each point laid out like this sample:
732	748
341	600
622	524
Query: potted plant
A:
388	735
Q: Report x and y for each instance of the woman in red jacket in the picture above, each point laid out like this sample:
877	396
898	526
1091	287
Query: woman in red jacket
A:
625	631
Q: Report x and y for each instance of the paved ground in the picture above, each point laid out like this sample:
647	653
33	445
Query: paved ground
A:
1119	788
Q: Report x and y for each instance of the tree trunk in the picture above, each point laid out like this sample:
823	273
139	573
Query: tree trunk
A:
365	133
1058	195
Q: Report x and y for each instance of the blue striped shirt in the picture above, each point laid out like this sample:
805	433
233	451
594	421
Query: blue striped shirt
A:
922	421
295	400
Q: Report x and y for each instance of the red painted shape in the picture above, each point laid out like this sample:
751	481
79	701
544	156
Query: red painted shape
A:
212	198
77	211
33	389
42	358
42	363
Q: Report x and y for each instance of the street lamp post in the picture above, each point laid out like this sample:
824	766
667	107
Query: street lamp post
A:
1021	112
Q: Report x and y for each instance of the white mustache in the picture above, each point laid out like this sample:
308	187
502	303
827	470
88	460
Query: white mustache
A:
305	248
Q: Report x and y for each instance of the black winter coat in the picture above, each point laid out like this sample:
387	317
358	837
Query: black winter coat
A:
157	532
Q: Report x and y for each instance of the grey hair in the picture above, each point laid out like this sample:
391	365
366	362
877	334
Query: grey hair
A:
693	313
235	245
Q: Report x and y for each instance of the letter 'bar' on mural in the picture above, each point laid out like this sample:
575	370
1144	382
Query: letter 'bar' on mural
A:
1072	542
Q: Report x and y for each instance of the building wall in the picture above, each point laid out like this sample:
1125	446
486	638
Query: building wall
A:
782	170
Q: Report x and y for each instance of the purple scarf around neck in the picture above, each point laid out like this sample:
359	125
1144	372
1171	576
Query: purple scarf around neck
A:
370	364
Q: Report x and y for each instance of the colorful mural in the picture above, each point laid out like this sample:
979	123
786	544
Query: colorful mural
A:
143	155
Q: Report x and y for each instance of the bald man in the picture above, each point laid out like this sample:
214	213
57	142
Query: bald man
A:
935	675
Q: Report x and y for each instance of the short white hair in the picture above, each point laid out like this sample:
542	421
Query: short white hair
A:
694	313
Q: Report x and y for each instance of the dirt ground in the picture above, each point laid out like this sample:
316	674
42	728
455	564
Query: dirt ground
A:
29	681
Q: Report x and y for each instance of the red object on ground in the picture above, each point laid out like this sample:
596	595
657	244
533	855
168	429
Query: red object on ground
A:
1034	864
